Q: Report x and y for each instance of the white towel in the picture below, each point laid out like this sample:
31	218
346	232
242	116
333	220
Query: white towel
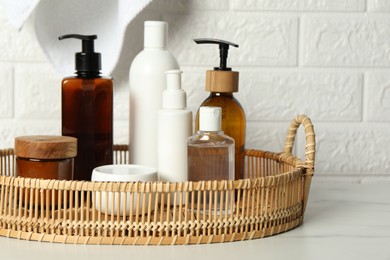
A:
52	18
18	11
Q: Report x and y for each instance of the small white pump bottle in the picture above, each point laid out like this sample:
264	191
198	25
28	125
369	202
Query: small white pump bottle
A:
147	82
174	127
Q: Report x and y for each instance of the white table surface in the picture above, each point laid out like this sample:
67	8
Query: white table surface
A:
342	221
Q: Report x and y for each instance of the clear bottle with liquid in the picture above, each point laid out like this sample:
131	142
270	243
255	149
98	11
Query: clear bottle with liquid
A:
210	156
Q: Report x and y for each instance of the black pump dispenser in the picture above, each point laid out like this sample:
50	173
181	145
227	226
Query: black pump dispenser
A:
88	62
223	50
222	78
222	82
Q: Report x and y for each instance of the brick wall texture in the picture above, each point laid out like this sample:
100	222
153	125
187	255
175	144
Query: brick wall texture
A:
324	58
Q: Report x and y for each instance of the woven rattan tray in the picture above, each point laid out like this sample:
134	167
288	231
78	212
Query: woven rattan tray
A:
270	200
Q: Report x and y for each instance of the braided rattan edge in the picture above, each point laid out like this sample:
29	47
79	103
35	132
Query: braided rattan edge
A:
310	149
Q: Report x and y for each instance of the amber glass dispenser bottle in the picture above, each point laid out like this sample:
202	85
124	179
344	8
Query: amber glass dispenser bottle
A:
222	82
87	114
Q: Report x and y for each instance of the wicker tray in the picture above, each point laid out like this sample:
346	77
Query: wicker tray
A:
270	200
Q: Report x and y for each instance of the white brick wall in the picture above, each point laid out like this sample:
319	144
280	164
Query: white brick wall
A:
270	40
346	40
325	58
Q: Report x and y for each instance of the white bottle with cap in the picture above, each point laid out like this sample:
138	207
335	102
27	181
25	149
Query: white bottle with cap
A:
147	82
210	151
174	127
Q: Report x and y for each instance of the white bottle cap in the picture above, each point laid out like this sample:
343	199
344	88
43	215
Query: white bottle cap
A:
174	97
155	34
210	119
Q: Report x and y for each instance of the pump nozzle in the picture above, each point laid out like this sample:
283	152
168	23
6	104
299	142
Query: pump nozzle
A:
223	50
87	61
174	96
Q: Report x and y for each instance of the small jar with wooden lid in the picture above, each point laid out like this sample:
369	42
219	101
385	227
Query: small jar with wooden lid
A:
45	157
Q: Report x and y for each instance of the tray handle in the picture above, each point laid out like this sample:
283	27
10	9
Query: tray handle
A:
310	149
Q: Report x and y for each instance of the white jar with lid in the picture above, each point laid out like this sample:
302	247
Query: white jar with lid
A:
127	201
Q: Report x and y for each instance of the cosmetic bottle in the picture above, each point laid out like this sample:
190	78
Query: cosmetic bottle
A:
210	151
87	110
174	127
210	157
222	82
147	82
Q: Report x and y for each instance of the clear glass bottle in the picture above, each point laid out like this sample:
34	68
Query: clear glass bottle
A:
210	156
233	124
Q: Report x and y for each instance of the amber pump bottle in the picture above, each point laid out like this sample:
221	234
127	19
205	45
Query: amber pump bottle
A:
87	110
222	82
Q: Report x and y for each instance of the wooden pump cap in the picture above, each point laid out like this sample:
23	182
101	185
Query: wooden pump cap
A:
46	147
221	81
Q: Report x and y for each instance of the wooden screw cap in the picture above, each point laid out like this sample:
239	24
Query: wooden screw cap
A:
221	81
46	147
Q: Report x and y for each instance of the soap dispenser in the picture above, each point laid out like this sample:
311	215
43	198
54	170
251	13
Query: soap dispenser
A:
222	82
87	110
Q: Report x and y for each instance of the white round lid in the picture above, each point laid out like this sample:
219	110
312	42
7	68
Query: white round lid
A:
124	172
210	119
155	34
